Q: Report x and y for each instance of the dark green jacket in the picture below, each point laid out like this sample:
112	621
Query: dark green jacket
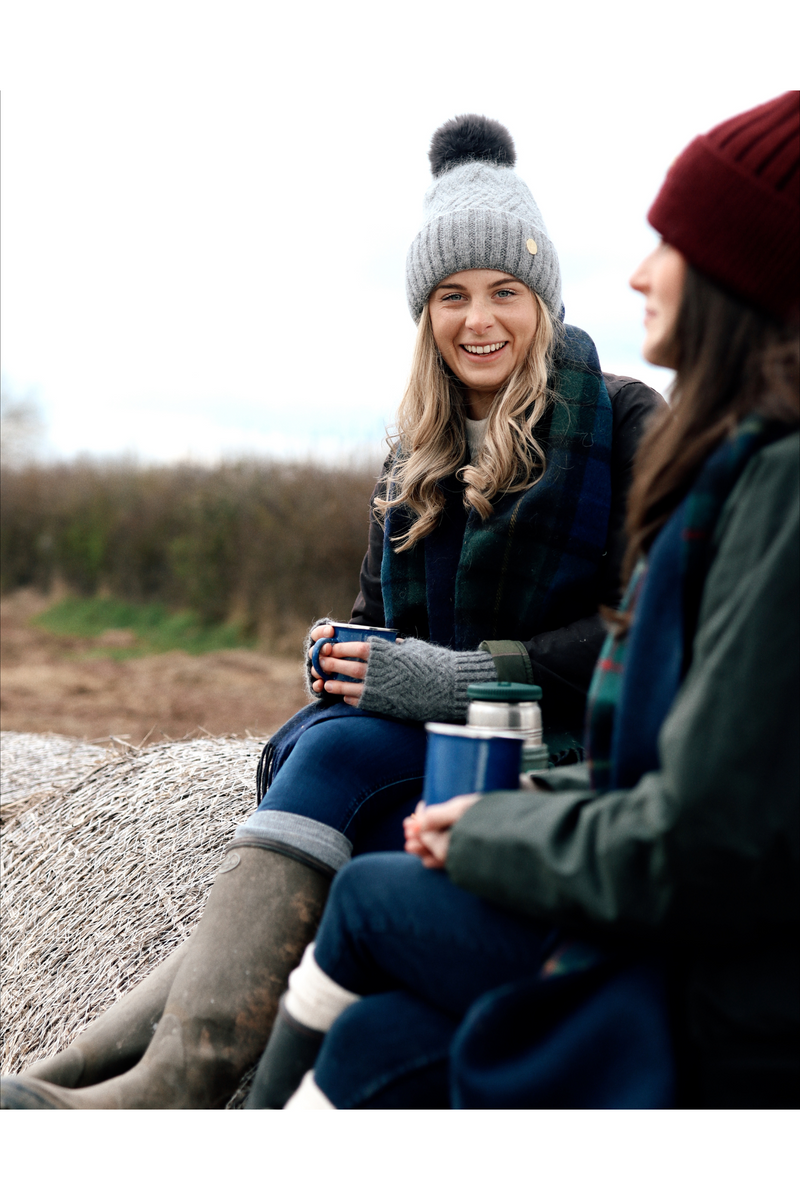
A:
701	858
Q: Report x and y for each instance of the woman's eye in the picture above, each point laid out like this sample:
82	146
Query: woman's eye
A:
453	296
505	292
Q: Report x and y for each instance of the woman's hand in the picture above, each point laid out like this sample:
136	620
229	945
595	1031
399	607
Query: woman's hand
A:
334	659
428	830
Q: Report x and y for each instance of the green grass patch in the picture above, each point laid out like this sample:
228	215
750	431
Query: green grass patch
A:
153	628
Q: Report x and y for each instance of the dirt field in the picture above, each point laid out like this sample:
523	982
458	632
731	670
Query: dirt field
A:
49	686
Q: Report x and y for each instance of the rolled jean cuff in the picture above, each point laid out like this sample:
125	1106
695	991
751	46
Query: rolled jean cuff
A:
298	837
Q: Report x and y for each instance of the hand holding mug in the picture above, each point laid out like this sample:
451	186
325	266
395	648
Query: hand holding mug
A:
427	830
339	658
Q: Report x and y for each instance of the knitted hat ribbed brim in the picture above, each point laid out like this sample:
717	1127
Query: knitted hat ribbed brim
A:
731	205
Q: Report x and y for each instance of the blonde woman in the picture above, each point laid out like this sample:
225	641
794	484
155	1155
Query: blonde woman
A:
496	534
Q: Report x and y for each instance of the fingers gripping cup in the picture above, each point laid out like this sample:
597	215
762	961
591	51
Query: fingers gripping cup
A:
346	633
460	759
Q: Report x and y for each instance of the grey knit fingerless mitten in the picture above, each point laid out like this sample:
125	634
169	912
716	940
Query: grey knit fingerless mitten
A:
415	681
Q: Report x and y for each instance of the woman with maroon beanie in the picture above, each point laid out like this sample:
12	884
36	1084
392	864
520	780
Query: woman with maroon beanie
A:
679	839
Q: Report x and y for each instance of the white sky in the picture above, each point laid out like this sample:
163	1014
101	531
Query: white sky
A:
206	206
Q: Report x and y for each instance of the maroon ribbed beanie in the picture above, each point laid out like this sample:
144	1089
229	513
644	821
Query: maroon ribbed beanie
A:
731	205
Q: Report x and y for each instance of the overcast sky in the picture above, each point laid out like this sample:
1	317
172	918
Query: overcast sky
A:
206	207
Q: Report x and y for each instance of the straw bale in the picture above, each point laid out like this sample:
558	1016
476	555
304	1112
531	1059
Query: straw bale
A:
108	856
36	767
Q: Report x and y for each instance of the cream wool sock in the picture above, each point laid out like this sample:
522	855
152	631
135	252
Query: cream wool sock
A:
313	998
308	1095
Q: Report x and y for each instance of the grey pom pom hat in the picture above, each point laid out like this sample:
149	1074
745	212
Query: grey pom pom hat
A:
479	214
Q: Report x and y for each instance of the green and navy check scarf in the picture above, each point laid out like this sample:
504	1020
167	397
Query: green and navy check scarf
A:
603	695
527	567
638	675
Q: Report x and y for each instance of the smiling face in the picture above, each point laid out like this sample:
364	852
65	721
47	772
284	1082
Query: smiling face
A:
483	323
660	279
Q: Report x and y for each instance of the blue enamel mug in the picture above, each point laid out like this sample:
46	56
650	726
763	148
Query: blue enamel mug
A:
347	633
460	759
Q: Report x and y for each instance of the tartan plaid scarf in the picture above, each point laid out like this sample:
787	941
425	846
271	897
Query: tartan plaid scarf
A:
638	675
527	567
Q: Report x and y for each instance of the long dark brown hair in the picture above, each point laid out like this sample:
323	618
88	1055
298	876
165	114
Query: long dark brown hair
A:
731	360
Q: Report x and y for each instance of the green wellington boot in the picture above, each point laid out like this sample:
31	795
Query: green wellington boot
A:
117	1039
261	913
291	1051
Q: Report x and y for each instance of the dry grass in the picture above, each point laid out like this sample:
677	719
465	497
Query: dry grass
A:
108	856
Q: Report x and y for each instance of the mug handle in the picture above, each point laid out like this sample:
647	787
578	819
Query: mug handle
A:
315	653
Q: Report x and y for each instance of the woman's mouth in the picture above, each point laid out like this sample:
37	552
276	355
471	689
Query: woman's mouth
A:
488	350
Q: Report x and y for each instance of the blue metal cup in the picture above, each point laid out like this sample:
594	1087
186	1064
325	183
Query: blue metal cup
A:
460	759
347	633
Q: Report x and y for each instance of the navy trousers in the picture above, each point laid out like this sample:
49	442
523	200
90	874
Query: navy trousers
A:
469	1005
421	951
342	781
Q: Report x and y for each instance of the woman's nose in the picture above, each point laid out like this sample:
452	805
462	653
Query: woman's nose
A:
639	280
636	280
479	318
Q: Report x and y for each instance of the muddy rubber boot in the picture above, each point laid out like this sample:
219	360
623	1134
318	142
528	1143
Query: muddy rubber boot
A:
116	1040
291	1051
261	913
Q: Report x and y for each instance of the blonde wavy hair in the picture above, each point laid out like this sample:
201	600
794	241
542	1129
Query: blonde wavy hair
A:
430	441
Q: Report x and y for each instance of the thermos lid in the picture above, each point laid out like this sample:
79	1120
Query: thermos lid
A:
505	692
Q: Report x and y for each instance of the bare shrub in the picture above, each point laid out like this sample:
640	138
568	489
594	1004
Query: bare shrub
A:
21	428
272	545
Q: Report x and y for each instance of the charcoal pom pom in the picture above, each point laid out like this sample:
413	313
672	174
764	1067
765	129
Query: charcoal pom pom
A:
471	138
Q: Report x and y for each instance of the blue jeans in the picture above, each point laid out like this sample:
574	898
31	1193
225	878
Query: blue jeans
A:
343	789
421	951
